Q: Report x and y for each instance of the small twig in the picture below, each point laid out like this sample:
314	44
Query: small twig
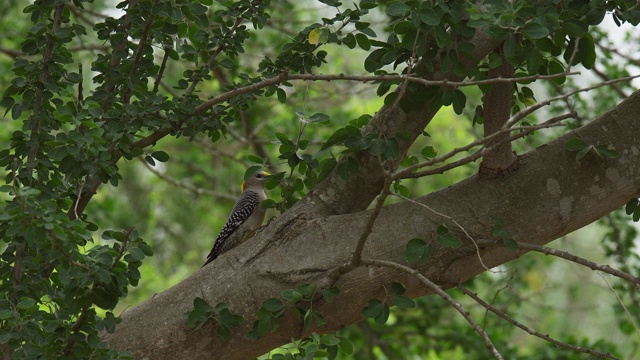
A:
422	81
578	260
629	317
163	66
524	131
574	52
194	189
138	55
453	221
75	328
443	294
217	51
402	89
528	110
495	297
531	331
356	259
123	248
80	89
75	205
605	77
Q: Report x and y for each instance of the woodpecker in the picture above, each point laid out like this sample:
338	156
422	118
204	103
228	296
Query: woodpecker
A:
247	215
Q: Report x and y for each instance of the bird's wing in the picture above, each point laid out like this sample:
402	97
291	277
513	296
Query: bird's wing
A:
243	208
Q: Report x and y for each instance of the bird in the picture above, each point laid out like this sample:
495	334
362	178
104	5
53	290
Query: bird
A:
246	216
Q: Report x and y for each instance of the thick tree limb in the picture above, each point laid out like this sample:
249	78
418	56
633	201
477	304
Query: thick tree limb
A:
497	110
336	196
546	194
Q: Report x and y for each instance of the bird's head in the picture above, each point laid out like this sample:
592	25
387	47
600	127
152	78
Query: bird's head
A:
257	178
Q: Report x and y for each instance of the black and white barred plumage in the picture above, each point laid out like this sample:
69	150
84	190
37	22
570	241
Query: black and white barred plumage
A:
247	215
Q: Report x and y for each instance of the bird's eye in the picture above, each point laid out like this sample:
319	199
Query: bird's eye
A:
259	176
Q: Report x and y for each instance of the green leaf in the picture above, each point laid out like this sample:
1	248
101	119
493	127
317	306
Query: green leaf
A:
417	250
511	244
202	305
318	117
398	9
596	15
534	61
429	152
575	144
509	46
632	206
587	51
330	294
606	151
397	288
501	233
6	314
373	309
252	170
255	159
349	40
149	160
384	315
307	290
146	249
403	301
326	167
348	168
346	346
357	142
447	239
374	62
459	101
223	332
228	64
363	41
583	152
160	156
282	95
273	305
575	28
376	310
196	318
264	325
368	4
306	322
429	18
535	30
26	303
337	137
291	295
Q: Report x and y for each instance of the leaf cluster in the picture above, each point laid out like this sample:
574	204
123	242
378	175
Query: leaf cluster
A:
224	319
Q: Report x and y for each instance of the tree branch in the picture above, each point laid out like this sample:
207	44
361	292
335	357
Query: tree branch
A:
254	271
436	289
497	108
584	262
529	330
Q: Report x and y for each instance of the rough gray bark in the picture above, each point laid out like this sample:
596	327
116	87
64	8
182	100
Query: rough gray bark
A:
497	110
546	194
